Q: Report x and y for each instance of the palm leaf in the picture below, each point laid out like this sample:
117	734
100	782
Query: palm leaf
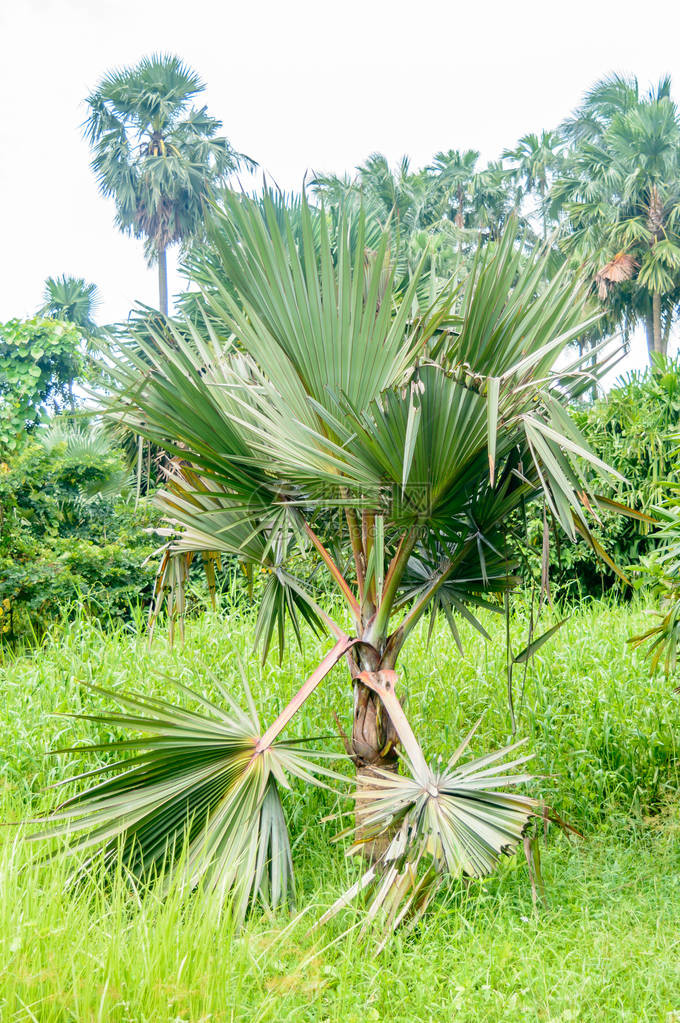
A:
198	797
442	824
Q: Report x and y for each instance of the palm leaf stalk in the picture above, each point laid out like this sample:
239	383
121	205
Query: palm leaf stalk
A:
323	410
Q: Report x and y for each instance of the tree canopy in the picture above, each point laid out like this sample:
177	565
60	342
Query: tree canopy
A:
157	155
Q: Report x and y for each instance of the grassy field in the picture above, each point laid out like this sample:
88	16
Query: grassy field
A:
607	947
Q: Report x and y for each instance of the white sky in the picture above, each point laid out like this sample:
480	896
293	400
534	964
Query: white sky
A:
298	86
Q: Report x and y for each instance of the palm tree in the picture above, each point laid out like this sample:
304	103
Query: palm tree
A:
397	196
72	299
533	162
620	194
493	202
324	413
454	171
614	94
409	203
156	156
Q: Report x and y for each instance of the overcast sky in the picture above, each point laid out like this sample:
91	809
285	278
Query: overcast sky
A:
298	86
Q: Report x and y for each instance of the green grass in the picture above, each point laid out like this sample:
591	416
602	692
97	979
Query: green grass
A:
607	948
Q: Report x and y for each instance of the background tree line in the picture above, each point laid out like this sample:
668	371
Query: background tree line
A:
600	191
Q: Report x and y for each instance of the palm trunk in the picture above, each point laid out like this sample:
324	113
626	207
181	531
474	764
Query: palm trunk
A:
373	747
460	219
163	281
649	334
656	322
666	335
543	209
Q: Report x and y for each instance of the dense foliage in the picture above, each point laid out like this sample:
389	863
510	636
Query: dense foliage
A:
40	359
634	428
67	535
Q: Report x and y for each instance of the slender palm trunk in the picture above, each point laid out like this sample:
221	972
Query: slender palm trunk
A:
460	218
163	281
649	333
666	335
656	322
543	210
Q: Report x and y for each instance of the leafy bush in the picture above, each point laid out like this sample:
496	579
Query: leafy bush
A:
39	361
633	428
67	534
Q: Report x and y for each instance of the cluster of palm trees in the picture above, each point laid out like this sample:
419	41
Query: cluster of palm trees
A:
602	190
454	192
618	196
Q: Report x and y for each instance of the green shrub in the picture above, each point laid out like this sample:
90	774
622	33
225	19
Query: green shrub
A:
67	534
633	428
40	360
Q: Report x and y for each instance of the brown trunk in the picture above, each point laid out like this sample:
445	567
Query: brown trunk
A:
374	746
373	735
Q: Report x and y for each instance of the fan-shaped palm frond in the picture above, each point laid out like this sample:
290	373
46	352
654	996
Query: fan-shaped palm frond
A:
199	797
441	823
72	299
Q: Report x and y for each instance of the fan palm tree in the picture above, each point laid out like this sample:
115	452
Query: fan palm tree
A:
158	157
620	193
322	413
72	299
614	94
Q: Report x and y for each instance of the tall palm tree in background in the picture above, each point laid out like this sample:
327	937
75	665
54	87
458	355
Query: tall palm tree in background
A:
72	299
158	157
620	196
614	94
533	162
454	172
493	201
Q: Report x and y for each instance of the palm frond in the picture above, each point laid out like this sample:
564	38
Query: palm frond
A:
199	799
442	823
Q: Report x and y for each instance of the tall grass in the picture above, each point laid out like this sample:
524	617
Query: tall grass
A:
605	738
